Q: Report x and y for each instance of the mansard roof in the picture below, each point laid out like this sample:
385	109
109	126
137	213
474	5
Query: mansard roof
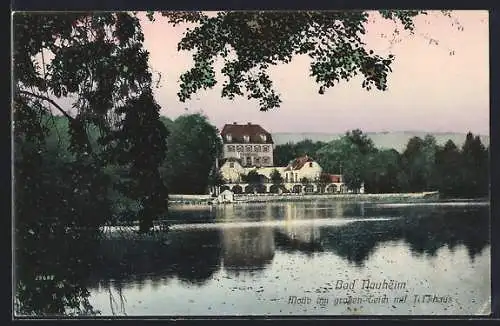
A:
253	131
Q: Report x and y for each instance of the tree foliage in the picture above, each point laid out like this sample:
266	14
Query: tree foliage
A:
423	166
88	134
249	43
348	156
194	145
276	177
91	70
286	152
96	64
254	178
475	166
383	172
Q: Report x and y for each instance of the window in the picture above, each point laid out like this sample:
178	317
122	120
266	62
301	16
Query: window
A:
239	148
246	138
229	137
265	148
231	165
248	148
310	164
249	160
265	160
256	148
230	148
263	137
257	160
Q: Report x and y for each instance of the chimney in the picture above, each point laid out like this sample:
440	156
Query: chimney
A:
234	123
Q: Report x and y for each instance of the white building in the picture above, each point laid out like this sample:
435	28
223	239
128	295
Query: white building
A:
226	196
249	143
300	168
249	147
302	175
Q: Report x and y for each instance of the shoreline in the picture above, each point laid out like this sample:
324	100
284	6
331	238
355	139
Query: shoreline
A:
177	200
159	230
256	198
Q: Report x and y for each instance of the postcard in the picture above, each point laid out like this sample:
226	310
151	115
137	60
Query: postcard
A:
251	163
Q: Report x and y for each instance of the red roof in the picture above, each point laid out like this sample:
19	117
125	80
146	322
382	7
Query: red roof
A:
254	132
335	178
298	163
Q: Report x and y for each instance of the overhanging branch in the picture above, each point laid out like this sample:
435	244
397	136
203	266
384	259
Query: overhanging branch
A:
45	98
60	109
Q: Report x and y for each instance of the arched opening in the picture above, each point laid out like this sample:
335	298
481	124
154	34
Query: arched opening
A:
297	189
284	189
249	189
309	188
224	188
331	189
237	189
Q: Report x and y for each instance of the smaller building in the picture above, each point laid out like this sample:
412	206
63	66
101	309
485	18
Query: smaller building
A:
232	170
301	175
302	168
226	196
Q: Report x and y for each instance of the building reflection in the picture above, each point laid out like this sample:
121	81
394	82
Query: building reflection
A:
247	241
193	256
226	211
306	233
299	232
247	248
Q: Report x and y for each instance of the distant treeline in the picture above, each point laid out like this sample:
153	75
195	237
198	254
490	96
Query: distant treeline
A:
423	166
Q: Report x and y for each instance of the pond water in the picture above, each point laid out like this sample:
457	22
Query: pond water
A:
308	258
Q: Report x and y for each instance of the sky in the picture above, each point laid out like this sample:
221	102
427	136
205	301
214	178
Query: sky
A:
428	89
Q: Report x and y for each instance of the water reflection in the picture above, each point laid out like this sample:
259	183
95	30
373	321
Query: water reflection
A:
192	213
298	237
51	271
193	256
247	249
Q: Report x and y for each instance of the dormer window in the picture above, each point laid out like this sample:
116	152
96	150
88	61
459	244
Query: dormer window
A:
229	137
263	137
246	138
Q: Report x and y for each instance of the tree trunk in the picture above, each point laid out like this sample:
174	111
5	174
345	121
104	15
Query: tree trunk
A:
145	220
